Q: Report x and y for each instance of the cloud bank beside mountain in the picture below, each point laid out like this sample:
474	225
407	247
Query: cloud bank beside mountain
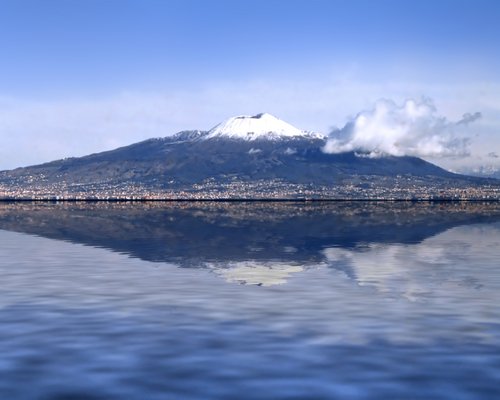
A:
413	128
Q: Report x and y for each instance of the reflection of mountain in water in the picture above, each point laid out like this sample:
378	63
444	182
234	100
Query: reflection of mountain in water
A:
193	234
263	273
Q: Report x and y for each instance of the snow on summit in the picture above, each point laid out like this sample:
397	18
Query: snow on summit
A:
260	126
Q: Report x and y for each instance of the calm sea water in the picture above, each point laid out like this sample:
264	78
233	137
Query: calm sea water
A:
249	301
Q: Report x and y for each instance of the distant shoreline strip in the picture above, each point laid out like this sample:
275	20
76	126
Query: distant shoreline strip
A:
244	200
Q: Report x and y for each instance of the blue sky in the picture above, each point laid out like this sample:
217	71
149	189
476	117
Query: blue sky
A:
84	76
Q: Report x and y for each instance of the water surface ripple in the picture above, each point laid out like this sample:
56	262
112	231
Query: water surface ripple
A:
249	301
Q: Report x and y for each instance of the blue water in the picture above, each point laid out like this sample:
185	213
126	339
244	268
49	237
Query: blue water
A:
249	301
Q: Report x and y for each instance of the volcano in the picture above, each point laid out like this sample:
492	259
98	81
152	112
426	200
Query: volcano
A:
257	156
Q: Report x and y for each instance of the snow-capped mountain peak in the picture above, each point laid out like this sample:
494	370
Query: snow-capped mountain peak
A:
260	126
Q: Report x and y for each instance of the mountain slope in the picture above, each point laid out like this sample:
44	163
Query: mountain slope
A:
192	161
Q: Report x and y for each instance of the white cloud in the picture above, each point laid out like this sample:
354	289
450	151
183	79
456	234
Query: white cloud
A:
413	128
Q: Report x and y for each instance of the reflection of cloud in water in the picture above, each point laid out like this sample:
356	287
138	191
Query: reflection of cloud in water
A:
449	261
256	273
